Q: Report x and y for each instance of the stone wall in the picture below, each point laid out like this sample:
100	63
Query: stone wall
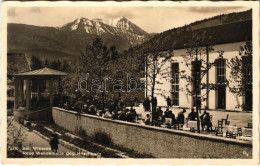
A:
159	142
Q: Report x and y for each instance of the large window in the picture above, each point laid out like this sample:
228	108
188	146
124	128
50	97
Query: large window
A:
221	87
221	71
175	84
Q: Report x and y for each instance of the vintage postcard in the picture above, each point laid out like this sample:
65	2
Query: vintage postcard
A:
130	82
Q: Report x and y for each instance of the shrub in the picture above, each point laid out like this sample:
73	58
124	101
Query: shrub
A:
102	138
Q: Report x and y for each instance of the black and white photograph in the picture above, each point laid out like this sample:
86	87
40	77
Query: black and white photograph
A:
130	81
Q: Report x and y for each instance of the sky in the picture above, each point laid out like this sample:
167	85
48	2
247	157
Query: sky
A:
150	19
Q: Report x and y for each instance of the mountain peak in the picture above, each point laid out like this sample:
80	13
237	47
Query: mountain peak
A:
116	27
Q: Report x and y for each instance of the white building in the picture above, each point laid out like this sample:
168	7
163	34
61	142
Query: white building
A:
228	38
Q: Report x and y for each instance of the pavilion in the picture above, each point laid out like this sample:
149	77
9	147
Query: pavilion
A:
23	85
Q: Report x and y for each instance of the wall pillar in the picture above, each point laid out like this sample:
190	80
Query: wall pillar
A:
21	92
28	94
51	92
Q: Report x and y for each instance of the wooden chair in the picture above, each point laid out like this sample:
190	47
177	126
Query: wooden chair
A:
227	117
229	134
250	125
227	123
239	132
178	126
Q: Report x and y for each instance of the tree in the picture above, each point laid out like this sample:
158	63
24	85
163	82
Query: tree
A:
98	60
241	74
65	66
155	61
36	63
197	62
130	66
55	64
46	63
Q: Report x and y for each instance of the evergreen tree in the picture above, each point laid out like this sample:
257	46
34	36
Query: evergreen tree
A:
36	63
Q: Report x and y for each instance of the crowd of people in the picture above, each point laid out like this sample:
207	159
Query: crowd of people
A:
118	112
158	117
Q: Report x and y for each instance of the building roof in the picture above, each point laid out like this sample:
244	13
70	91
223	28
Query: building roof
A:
17	62
221	34
42	72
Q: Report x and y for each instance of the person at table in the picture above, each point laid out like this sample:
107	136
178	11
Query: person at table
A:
147	120
181	117
92	109
128	116
166	112
205	121
160	110
172	116
114	114
85	109
133	113
192	115
121	115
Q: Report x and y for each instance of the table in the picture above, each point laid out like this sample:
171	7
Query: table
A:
192	124
232	129
247	132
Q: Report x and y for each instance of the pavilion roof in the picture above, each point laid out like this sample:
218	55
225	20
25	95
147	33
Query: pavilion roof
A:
42	72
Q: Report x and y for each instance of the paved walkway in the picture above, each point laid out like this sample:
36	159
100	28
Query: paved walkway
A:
34	141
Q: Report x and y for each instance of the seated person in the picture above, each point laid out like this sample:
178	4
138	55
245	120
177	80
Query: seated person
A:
160	120
92	110
181	117
133	114
85	109
166	113
121	115
192	115
114	115
100	113
128	116
156	115
147	120
172	116
168	122
205	121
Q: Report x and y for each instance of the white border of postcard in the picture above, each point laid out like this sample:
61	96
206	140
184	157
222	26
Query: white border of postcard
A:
255	160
